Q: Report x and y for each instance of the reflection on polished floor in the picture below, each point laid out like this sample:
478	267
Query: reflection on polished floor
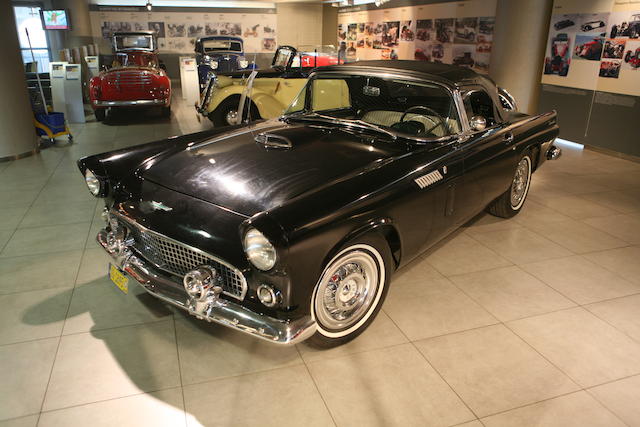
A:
529	321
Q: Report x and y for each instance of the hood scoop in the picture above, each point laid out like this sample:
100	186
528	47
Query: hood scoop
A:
271	140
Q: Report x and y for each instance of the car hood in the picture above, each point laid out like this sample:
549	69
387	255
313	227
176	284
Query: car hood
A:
236	172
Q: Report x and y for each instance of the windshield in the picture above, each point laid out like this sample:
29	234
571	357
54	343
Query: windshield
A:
141	59
134	42
282	57
403	107
221	45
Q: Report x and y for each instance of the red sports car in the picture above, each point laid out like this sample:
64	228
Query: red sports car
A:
633	59
136	78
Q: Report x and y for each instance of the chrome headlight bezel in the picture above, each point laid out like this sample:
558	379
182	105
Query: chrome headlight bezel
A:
93	183
243	62
259	250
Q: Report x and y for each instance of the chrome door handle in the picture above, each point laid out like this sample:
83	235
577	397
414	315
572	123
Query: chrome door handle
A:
508	137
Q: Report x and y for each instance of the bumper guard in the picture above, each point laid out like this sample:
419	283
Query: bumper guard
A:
216	310
133	103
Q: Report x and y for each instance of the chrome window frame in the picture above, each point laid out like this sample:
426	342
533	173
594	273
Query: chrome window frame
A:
471	87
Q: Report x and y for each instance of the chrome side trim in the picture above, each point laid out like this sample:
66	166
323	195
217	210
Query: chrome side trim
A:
133	223
137	103
224	312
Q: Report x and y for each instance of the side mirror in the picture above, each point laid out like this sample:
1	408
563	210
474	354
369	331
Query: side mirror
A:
478	123
162	66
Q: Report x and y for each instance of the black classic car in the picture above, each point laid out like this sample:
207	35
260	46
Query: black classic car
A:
629	29
563	24
291	229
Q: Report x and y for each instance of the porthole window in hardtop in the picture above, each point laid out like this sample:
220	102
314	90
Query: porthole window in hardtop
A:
477	102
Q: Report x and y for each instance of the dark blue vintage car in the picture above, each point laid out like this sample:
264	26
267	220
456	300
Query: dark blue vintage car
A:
220	54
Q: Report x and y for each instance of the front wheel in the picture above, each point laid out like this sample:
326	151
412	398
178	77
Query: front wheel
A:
351	291
227	113
512	200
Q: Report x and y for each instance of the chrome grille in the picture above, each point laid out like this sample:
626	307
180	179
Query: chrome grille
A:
130	79
225	65
179	259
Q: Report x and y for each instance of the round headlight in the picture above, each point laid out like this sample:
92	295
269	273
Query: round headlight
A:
213	65
92	182
243	63
259	250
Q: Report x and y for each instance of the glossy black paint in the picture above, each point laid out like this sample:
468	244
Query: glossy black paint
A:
330	186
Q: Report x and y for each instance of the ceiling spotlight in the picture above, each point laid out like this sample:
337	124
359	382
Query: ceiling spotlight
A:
149	5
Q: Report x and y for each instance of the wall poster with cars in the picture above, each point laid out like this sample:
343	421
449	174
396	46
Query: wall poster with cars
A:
458	33
596	48
177	31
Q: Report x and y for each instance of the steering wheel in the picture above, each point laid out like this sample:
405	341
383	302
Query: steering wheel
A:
440	122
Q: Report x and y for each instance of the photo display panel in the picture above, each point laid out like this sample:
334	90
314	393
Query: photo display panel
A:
594	45
451	33
178	31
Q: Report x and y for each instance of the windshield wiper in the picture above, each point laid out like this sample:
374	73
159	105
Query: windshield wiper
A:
315	117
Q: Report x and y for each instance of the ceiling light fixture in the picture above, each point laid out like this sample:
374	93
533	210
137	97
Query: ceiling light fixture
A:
149	5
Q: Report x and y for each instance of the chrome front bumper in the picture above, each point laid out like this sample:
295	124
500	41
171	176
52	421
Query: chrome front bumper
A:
135	103
219	310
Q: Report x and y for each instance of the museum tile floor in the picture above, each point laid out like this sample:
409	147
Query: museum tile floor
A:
528	321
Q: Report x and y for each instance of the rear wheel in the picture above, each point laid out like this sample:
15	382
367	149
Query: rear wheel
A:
100	114
351	291
166	111
512	200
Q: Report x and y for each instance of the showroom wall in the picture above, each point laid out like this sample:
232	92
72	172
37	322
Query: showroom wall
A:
520	24
299	24
591	73
196	22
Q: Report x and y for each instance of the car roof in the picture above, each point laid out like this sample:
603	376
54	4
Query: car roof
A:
451	74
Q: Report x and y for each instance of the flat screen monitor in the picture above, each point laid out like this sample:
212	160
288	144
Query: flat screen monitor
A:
57	19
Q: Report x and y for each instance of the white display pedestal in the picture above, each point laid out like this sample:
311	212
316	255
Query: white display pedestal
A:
93	65
73	93
189	80
56	73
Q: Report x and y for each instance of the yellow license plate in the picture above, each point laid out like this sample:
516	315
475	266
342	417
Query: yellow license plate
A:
119	278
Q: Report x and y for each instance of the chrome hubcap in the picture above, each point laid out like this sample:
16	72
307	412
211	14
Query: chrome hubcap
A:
231	117
520	183
346	291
